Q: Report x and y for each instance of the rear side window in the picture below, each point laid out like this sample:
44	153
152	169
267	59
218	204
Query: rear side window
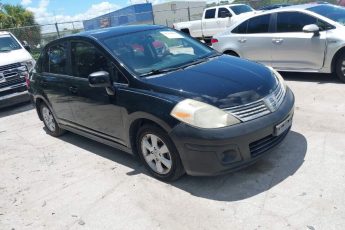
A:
57	59
241	29
293	21
258	24
211	13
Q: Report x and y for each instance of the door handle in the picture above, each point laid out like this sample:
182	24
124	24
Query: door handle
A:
73	89
277	40
242	40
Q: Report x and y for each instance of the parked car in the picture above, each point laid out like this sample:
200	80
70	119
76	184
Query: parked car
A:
186	108
304	38
214	20
274	6
15	65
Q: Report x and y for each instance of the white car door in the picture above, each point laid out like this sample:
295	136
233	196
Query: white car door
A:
294	49
223	18
209	23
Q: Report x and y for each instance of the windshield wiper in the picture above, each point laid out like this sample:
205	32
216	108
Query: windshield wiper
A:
158	71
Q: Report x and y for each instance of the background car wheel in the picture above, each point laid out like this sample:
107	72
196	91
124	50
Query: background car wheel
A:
340	68
158	153
49	121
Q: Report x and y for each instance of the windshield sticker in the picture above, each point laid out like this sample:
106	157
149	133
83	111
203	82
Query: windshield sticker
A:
171	34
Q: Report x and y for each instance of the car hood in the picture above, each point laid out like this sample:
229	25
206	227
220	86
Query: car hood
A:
14	56
223	81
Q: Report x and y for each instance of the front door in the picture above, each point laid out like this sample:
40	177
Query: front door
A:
294	49
209	23
95	110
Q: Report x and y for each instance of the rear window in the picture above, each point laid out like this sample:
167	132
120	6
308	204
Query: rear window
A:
240	9
210	14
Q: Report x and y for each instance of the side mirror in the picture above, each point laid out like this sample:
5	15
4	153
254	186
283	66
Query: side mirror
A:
28	48
99	79
224	14
312	28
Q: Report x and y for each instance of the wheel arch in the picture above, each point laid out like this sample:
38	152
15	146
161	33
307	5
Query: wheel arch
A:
230	52
335	58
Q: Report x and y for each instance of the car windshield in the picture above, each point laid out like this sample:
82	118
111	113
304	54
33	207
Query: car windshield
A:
335	13
240	9
8	43
154	51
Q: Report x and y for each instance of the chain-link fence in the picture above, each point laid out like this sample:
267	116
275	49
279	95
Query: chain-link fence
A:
165	14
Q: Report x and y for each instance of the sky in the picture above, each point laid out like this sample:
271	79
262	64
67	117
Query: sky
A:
51	11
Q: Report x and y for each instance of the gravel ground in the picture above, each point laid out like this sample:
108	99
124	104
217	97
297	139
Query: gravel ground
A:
75	183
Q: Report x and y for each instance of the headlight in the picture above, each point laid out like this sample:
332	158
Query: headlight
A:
278	76
202	115
29	64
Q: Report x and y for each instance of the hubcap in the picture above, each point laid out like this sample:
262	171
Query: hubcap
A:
343	67
156	154
48	119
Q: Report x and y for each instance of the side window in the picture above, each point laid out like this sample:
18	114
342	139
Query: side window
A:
259	24
211	13
223	13
241	29
293	21
87	59
57	59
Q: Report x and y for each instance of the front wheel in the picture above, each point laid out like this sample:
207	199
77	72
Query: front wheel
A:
340	67
158	153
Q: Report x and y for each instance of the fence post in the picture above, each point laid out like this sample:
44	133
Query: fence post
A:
153	18
57	29
188	9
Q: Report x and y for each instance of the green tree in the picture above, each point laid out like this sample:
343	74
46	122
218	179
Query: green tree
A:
20	22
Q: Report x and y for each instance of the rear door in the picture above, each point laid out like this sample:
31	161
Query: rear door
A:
95	109
55	80
294	49
253	39
209	23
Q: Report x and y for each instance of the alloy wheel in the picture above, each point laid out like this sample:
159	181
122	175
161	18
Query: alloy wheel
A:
156	154
48	119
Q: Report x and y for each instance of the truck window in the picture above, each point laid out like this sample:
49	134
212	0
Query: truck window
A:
223	13
240	9
211	13
8	43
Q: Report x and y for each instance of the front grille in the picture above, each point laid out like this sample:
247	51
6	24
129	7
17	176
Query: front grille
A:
10	75
8	67
249	111
259	108
260	146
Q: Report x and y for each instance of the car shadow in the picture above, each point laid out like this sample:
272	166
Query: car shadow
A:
14	109
320	78
272	169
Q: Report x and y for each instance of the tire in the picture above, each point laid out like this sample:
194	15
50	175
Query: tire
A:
340	67
49	121
160	152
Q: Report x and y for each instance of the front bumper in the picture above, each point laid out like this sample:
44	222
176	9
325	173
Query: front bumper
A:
15	96
222	150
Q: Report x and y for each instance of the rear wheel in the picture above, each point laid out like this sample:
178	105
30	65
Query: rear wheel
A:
158	153
49	121
340	67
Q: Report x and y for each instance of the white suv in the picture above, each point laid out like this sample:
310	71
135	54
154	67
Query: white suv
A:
303	38
15	66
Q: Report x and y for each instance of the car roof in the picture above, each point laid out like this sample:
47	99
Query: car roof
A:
294	7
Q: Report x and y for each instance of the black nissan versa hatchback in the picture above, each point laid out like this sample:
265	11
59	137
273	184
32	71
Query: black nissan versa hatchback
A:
156	92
